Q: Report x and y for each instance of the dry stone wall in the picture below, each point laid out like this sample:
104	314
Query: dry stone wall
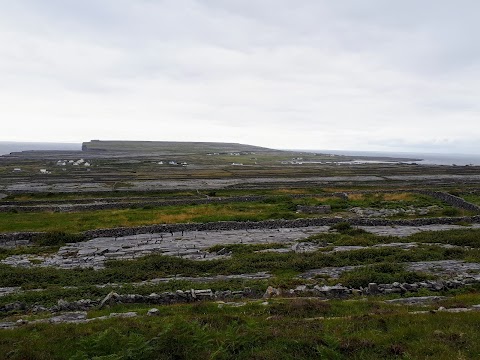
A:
80	205
453	200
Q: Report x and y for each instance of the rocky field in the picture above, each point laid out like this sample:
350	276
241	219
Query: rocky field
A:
285	256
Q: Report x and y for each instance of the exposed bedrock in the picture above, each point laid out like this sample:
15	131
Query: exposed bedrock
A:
22	238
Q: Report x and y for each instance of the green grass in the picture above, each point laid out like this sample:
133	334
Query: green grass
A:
88	220
471	197
460	237
245	259
282	330
274	207
286	328
241	262
383	273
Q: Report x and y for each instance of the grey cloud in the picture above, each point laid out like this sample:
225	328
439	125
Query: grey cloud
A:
319	73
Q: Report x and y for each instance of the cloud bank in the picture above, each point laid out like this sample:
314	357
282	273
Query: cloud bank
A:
369	75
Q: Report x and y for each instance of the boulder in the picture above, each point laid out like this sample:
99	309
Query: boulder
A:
153	312
271	292
110	299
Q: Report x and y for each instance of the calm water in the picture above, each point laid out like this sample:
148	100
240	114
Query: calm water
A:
8	147
427	158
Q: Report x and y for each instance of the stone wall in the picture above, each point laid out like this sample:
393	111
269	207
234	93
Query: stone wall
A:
452	200
189	296
111	204
75	205
321	209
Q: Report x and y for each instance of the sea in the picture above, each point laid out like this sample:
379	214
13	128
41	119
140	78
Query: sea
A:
7	147
418	158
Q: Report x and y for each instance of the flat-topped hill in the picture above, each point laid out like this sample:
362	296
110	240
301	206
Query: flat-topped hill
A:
169	147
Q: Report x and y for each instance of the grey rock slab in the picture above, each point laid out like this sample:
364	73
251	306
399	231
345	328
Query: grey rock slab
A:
346	248
332	272
416	300
404	231
221	304
455	310
69	317
123	315
444	267
193	244
87	252
9	290
7	325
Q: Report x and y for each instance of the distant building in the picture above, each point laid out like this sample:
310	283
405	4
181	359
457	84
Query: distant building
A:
44	171
17	170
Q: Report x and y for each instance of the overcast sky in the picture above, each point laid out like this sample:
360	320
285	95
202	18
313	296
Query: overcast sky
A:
303	74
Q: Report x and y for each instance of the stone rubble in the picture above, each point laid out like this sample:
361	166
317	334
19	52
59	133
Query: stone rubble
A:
76	311
408	210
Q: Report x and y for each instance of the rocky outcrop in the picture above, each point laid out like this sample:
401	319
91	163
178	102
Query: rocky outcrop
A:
408	211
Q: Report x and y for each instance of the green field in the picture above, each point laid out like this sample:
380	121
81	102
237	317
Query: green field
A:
293	324
274	207
283	329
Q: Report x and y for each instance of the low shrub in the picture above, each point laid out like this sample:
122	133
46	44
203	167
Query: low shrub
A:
57	238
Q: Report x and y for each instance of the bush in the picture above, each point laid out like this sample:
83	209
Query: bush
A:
56	238
347	229
341	227
300	308
451	212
